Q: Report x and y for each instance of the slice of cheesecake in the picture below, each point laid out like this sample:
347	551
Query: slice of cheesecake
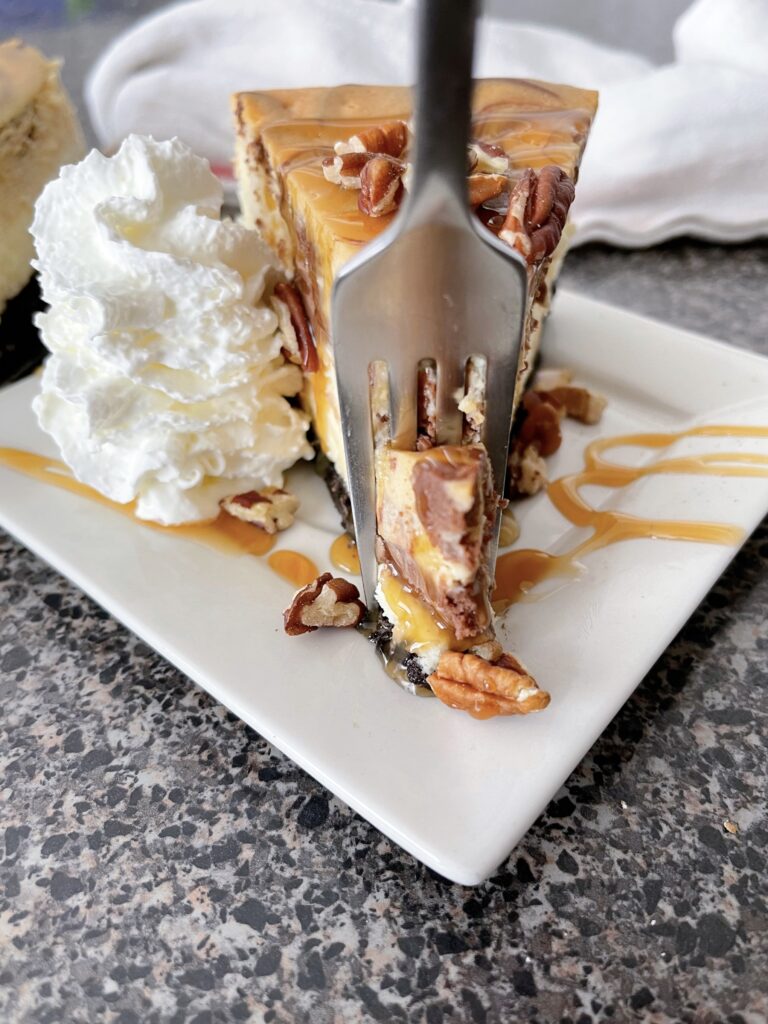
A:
321	172
315	224
39	132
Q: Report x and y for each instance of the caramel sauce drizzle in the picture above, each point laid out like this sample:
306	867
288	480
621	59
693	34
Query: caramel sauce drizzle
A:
344	554
518	572
225	533
532	137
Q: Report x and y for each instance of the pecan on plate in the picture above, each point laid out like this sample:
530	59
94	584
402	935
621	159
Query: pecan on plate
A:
526	471
540	425
381	186
327	601
294	323
485	689
272	509
549	377
537	435
579	403
538	207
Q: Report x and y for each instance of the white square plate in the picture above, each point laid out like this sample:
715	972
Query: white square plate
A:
457	793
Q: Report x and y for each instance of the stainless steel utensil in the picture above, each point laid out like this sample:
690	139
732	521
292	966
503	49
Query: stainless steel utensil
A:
435	285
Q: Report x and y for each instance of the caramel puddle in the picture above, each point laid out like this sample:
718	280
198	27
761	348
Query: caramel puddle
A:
517	572
344	554
224	533
293	566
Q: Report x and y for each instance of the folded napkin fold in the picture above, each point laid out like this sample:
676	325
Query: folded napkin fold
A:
679	149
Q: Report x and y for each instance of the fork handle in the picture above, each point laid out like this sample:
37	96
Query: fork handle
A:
446	36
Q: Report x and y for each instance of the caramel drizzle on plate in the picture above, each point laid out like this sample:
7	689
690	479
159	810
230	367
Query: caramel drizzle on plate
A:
293	567
225	533
518	571
344	554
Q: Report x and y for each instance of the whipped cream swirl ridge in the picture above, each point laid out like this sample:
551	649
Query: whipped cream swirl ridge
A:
166	384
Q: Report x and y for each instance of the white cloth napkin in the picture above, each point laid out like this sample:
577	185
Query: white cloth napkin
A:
679	149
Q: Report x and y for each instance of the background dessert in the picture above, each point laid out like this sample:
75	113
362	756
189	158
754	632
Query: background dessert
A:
166	384
39	132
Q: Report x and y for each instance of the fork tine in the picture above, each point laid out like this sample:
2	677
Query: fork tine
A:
500	375
355	406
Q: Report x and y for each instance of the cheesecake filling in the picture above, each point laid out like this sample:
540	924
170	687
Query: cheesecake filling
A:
435	515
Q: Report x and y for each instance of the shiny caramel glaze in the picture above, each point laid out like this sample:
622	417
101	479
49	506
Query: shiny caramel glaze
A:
225	533
293	130
315	226
518	572
344	555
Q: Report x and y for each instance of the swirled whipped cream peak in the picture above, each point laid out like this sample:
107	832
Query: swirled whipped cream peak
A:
166	384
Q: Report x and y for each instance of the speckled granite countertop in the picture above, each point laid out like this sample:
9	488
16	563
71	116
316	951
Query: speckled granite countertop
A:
161	863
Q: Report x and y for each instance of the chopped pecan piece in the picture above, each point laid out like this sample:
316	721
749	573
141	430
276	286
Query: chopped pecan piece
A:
527	473
483	156
538	207
303	350
484	187
579	403
381	186
388	139
540	426
272	509
552	377
327	601
510	529
538	434
344	169
485	689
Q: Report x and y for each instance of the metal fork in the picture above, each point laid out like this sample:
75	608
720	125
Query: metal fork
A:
435	285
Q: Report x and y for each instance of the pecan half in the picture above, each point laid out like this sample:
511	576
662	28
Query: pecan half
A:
305	351
381	186
485	689
327	601
344	169
390	139
271	509
538	207
484	187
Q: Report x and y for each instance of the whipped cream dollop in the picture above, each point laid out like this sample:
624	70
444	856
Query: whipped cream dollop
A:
165	384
